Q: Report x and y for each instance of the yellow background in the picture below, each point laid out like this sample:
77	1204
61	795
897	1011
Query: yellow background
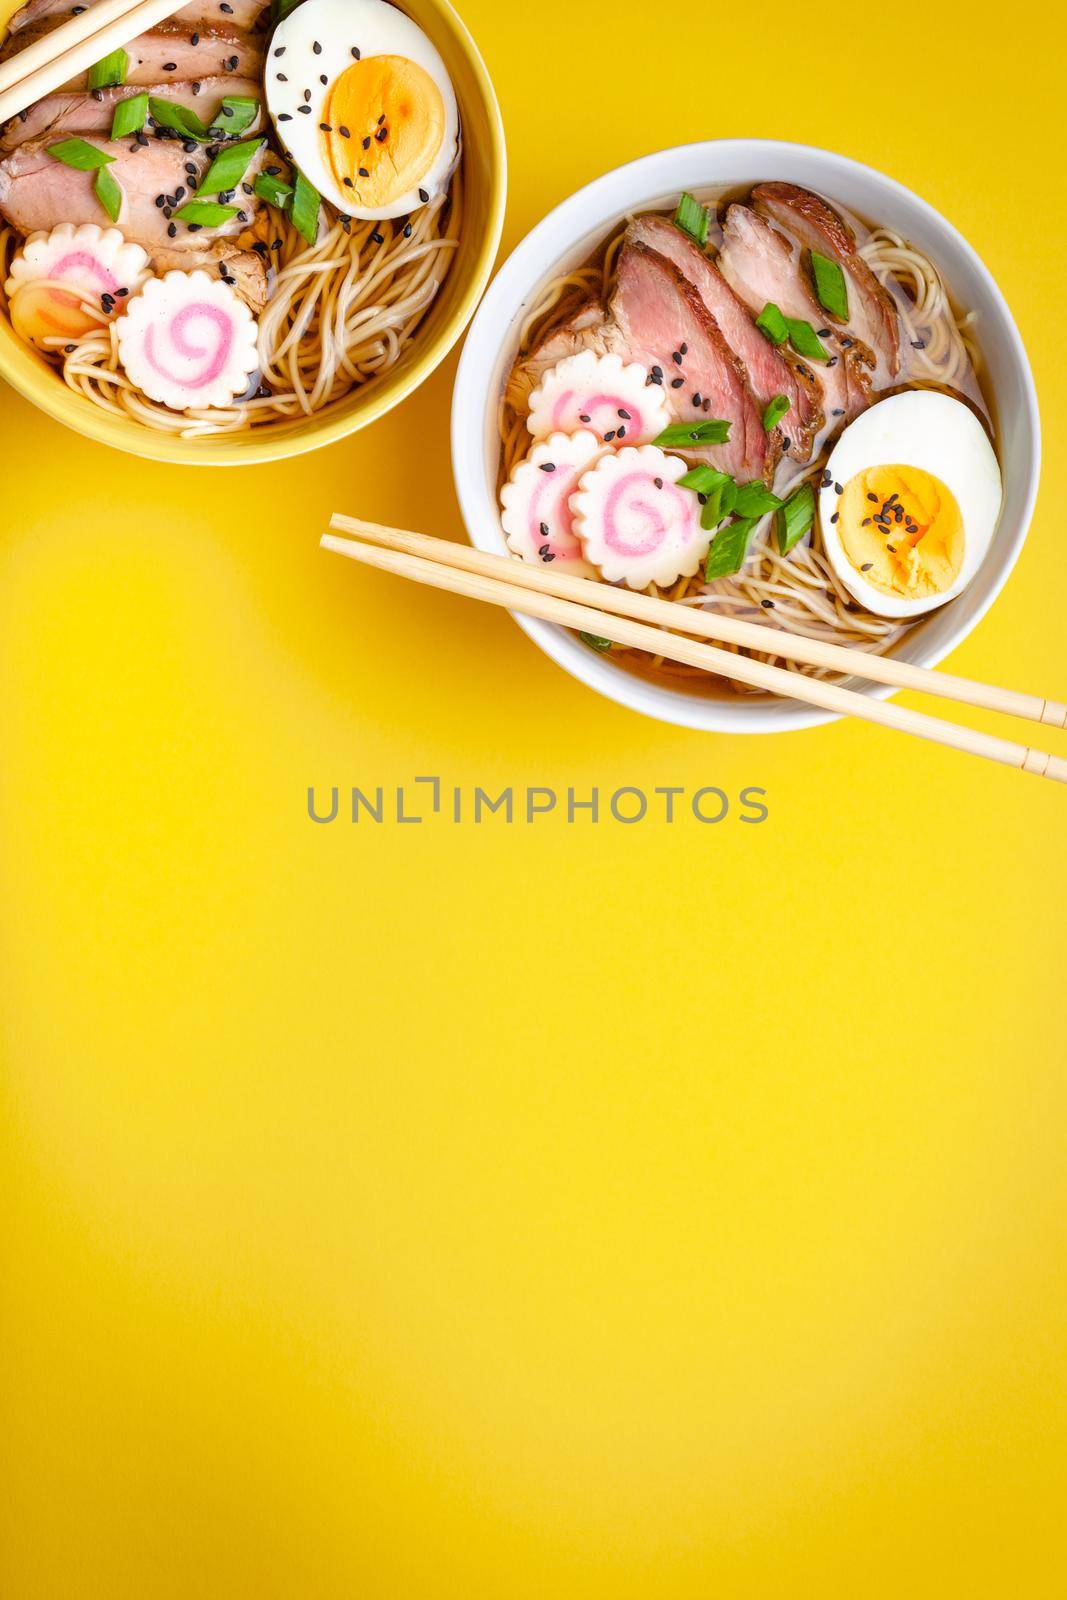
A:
554	1211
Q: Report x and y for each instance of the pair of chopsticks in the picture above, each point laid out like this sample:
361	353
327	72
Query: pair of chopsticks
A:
68	51
640	622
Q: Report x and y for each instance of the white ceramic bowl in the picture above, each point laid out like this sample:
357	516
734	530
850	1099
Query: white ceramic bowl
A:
568	235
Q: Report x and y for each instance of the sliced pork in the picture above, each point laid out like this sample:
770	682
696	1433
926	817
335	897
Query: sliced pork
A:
762	266
80	114
587	328
167	53
663	323
817	226
38	192
770	371
244	270
238	13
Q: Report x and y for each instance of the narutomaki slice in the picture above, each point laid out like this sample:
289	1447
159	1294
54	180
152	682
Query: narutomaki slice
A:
770	371
55	273
665	325
872	316
188	341
635	523
536	516
614	400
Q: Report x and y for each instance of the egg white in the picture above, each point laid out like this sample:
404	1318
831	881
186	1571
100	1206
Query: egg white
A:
920	428
338	27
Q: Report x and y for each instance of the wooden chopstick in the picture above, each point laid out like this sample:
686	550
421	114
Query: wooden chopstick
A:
441	573
71	49
710	625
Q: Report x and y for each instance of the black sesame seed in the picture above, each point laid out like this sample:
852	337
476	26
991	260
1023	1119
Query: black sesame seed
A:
837	412
684	348
228	10
196	88
69	347
355	53
658	482
172	230
227	111
316	46
170	66
544	530
677	383
376	238
381	119
382	135
822	333
348	183
246	188
178	193
161	200
307	94
280	51
343	131
276	244
768	605
98	94
242	216
873	497
625	415
548	466
621	434
194	39
892	549
232	62
677	358
189	146
609	436
867	565
305	111
363	172
366	142
323	79
407	230
424	196
281	77
194	227
838	489
121	292
834	517
918	344
275	172
697	401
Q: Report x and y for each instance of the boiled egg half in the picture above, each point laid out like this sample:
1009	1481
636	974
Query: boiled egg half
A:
920	495
363	104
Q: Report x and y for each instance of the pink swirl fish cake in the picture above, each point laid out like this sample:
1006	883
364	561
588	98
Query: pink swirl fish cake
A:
54	274
188	342
617	402
635	522
536	515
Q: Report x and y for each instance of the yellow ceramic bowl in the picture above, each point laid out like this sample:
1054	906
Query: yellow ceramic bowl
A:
485	187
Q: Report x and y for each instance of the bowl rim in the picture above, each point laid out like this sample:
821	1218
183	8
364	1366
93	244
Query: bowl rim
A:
564	226
37	384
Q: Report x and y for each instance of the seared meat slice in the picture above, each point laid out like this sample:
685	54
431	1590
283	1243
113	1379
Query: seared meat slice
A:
37	191
247	268
664	323
761	266
817	226
770	372
586	329
242	14
167	54
84	113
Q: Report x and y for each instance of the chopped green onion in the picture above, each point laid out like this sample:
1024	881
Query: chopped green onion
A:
830	287
729	549
805	340
129	115
228	168
273	191
304	209
692	218
702	480
168	114
282	8
795	518
80	154
110	71
236	113
729	497
771	322
595	642
205	213
108	193
755	500
686	435
711	512
775	411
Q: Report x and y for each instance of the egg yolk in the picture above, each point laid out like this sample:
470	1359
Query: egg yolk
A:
903	529
386	122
